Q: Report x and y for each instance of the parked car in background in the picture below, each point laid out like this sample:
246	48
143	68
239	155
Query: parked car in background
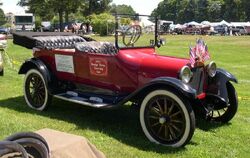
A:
238	30
221	29
169	91
4	30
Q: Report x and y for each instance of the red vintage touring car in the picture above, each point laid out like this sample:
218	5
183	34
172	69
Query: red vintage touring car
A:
170	91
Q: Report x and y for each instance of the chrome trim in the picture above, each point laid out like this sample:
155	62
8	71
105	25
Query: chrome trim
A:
212	63
182	71
98	105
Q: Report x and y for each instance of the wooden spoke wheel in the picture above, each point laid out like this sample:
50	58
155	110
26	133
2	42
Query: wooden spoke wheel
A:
166	119
35	90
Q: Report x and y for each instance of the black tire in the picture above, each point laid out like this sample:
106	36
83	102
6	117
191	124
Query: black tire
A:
226	114
34	147
22	135
167	118
35	91
8	147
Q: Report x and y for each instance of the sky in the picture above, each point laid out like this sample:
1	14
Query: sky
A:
140	6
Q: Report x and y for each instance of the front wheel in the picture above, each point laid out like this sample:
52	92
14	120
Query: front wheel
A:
167	119
224	115
35	90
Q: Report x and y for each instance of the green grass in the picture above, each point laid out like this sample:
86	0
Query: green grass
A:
117	132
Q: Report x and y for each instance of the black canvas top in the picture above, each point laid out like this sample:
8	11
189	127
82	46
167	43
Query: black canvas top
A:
47	40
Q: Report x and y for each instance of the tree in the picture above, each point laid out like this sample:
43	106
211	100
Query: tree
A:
38	7
97	6
122	9
46	8
181	11
103	23
2	17
214	11
230	10
246	9
202	10
186	10
166	10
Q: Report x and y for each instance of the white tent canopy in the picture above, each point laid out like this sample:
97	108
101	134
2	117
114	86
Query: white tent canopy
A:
179	26
240	23
205	23
223	22
194	23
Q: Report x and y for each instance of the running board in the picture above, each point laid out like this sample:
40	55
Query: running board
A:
73	97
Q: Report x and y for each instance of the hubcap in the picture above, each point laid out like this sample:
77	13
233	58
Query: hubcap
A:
162	120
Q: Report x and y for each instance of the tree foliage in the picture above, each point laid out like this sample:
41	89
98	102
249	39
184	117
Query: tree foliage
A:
2	17
122	9
97	6
182	11
47	9
103	23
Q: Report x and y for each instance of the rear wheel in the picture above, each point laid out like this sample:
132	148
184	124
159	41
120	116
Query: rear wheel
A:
166	119
224	115
35	90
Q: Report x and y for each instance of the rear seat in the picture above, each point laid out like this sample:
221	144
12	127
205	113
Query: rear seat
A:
58	42
96	47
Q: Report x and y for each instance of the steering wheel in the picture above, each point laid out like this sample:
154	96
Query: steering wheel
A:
131	35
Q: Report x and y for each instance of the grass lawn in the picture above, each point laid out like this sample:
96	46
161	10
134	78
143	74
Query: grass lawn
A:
117	132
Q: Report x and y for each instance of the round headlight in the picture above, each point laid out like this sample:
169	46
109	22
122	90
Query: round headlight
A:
185	74
211	69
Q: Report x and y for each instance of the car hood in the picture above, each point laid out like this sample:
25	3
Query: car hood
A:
151	65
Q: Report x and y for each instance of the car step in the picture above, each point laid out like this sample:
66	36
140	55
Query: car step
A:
75	97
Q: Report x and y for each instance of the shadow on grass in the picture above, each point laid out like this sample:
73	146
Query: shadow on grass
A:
122	124
208	126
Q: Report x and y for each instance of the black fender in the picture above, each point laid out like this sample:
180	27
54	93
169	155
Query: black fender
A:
161	83
218	84
38	64
225	75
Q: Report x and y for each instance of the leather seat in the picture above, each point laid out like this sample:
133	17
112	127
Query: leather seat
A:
58	42
96	47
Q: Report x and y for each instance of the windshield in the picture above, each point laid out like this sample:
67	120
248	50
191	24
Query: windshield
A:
135	31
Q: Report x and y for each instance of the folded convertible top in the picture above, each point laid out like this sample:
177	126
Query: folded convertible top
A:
47	40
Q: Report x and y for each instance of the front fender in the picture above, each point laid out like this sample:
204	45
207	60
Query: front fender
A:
162	83
225	75
218	84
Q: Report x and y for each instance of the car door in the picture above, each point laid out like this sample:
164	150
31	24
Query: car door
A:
104	71
95	69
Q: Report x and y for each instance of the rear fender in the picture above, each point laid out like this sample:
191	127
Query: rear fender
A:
218	84
35	63
162	83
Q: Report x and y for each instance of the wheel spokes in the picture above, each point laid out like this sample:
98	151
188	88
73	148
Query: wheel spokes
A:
165	106
171	108
160	108
165	118
155	111
36	90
